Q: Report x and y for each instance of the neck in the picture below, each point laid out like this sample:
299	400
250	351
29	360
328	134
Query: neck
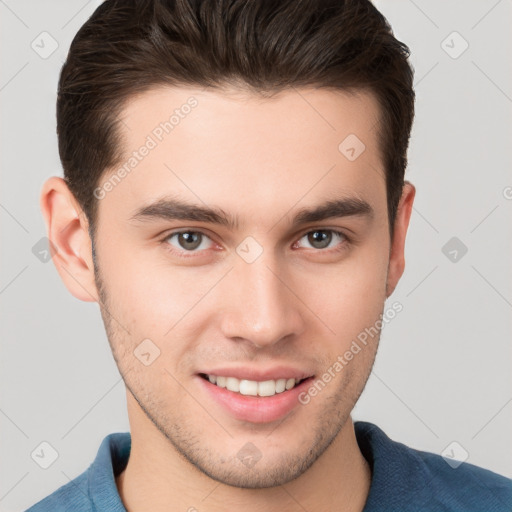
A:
158	478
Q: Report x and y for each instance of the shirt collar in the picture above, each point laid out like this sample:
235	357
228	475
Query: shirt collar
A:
110	461
398	474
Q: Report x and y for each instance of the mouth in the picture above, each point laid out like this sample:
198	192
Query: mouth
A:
263	397
265	388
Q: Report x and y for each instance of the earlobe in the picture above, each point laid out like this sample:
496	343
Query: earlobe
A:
67	229
397	258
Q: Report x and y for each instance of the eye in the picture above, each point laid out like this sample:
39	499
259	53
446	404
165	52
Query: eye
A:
322	238
192	242
188	241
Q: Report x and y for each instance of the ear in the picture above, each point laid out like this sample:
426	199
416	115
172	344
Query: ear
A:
67	228
396	258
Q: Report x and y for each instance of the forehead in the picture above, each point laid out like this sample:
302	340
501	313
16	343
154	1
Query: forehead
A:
248	153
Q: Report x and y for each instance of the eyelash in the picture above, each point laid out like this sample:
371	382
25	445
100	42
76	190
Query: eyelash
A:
191	254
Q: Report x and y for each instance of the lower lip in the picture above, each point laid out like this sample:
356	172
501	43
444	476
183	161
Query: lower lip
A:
256	409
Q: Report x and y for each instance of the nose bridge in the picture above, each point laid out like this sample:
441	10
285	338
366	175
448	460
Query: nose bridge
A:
261	308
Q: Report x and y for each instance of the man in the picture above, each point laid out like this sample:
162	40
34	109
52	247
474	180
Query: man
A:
234	200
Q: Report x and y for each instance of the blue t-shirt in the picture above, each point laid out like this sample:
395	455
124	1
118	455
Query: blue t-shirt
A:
403	480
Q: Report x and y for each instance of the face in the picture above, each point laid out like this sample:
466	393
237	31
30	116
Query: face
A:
258	289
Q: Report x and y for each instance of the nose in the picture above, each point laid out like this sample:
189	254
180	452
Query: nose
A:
261	306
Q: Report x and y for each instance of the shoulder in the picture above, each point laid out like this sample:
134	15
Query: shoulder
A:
71	496
95	488
407	477
464	485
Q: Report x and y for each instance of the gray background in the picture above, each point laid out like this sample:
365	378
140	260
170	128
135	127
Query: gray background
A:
443	371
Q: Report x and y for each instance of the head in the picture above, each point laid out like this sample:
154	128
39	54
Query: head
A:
234	196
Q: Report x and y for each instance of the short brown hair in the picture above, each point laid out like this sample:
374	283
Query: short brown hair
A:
128	46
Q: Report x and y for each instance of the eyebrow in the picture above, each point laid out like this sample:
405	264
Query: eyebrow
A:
176	209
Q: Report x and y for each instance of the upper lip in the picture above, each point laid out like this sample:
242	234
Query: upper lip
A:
260	374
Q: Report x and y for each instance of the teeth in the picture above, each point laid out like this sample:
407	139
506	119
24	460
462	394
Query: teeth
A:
232	384
252	387
290	383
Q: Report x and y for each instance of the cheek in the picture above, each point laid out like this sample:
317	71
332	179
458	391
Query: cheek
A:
154	299
348	296
140	288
